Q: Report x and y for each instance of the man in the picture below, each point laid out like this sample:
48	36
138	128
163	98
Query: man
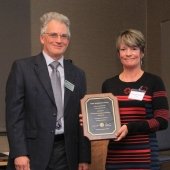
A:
43	131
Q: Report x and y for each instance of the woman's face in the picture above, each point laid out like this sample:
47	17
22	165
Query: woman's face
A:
130	57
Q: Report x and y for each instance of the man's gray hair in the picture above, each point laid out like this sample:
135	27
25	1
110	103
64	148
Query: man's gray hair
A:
47	17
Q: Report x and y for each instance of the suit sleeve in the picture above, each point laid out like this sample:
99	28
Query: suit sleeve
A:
84	146
15	111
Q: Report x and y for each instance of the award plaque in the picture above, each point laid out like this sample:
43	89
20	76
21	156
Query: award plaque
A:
101	119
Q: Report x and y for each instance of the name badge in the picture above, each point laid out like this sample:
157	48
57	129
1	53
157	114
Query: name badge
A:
137	94
69	85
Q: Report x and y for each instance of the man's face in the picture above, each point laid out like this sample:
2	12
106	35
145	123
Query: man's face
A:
55	40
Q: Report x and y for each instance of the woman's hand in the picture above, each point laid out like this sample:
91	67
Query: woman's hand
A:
123	131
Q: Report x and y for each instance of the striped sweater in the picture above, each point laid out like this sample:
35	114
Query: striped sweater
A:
139	150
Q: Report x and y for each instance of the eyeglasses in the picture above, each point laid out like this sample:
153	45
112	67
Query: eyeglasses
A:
56	35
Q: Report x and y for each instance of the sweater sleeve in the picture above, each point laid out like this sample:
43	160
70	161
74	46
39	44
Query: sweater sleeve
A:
160	110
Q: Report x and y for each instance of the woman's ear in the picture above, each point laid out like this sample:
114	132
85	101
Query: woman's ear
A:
118	54
141	59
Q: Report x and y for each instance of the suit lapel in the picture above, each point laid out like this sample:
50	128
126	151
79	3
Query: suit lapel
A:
69	76
43	75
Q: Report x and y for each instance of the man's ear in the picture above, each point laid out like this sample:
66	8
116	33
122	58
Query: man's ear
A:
41	39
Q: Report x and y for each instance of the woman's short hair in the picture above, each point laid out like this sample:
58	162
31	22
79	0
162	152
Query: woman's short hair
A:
47	17
131	38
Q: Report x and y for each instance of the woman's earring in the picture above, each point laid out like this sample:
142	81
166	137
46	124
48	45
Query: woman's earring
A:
141	60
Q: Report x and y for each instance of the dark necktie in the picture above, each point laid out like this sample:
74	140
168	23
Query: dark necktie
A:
56	85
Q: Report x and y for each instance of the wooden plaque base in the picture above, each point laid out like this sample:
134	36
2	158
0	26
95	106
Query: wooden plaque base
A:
101	119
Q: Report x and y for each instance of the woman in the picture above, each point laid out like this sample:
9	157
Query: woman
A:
143	108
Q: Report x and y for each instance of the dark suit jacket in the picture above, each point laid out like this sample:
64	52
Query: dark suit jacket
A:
31	113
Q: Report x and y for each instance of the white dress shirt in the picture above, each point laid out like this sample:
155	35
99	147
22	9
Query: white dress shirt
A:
60	68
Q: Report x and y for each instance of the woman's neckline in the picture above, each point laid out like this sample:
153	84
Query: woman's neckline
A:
133	77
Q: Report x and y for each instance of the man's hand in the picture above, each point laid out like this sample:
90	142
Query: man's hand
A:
81	119
22	163
83	166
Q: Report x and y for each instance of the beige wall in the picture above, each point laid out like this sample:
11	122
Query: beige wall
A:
158	11
14	41
94	26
